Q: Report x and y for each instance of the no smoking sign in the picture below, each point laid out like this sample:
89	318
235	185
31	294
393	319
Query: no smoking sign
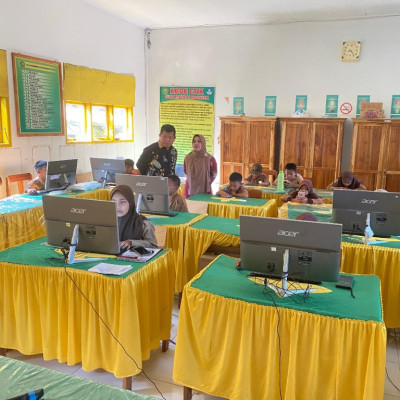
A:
346	108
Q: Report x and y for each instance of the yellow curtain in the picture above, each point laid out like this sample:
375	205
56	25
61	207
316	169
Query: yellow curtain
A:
228	210
3	74
235	354
87	85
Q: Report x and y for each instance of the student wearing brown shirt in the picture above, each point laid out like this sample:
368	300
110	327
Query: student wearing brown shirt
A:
235	187
176	201
256	176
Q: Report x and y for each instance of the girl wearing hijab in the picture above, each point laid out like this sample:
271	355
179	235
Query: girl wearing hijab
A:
347	181
304	195
200	168
134	229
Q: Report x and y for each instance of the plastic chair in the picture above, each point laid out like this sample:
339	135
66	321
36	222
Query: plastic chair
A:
18	178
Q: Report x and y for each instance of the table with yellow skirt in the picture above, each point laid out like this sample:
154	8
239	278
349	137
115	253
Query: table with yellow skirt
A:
21	216
381	259
271	192
232	207
170	232
239	340
72	315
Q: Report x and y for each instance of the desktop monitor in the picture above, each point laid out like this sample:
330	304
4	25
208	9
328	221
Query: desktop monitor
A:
154	191
97	219
60	174
104	169
351	208
314	247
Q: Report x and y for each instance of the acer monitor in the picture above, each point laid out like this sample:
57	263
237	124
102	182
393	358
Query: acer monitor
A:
151	193
104	169
351	208
60	174
97	220
313	247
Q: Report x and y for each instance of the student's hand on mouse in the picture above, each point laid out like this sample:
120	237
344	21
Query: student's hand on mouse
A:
31	191
126	244
223	194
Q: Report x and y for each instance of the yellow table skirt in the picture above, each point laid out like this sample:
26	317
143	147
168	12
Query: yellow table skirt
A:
383	262
175	240
41	311
197	241
23	226
229	210
283	211
230	348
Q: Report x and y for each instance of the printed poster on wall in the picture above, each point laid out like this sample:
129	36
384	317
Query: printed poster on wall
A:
238	105
361	98
191	111
395	108
331	107
270	106
301	103
38	97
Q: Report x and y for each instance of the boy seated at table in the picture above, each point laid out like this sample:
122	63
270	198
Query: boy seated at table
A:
304	195
38	183
256	176
347	181
292	178
176	201
235	187
130	167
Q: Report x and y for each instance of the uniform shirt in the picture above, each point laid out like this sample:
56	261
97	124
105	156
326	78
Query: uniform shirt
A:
177	203
157	161
241	190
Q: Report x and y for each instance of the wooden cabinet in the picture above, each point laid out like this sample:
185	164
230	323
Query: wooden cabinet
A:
245	141
375	153
314	145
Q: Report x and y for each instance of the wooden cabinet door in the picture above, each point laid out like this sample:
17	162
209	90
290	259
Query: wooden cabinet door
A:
391	178
367	151
326	151
260	144
296	144
233	133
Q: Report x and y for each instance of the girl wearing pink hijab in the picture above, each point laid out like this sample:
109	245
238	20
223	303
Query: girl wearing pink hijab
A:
200	168
305	194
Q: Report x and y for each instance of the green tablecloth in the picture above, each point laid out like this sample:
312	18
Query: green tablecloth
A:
228	226
323	214
210	198
17	377
180	219
391	243
221	278
38	253
19	203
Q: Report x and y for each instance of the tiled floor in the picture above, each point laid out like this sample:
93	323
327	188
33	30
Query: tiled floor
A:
159	369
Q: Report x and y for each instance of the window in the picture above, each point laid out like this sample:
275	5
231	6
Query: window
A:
5	132
98	123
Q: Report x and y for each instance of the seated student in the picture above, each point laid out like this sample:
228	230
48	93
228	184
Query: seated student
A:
134	229
38	183
129	167
306	216
304	195
256	176
347	181
292	178
235	187
176	201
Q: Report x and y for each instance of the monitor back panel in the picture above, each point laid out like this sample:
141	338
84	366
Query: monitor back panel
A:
106	169
61	173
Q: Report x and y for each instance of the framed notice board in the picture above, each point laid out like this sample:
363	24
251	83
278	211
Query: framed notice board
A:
38	96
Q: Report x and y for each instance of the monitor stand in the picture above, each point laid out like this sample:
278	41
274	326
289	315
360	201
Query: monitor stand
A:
368	232
282	290
74	243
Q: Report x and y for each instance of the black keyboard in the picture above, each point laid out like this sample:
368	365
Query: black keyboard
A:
290	278
44	191
165	214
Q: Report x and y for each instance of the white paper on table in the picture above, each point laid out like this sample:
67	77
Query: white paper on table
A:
110	269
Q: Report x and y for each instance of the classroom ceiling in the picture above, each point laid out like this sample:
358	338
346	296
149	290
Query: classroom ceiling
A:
157	14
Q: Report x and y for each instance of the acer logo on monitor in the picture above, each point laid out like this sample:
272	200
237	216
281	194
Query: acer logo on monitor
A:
287	233
78	210
141	184
366	201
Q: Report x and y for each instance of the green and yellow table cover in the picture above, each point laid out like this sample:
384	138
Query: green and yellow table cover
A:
43	311
238	340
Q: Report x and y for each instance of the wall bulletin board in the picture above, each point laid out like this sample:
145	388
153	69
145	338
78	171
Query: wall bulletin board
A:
38	96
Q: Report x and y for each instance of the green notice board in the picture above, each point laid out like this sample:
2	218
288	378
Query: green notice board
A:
38	97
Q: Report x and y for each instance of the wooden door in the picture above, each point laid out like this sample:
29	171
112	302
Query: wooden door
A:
391	176
367	151
233	133
326	151
296	144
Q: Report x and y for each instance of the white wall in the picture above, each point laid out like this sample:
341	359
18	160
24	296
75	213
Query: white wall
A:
74	32
283	60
